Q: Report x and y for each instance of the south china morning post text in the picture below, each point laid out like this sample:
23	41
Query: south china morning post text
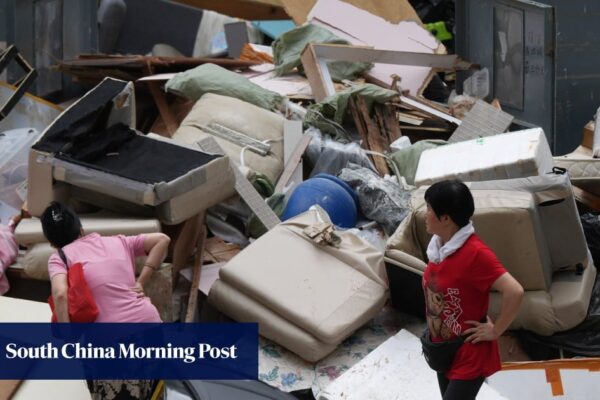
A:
129	351
122	351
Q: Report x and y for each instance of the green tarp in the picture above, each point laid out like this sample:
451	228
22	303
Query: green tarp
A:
289	46
210	78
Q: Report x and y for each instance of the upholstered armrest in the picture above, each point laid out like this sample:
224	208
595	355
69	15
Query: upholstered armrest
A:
405	261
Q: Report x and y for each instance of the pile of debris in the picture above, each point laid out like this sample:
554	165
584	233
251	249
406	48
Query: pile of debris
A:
291	177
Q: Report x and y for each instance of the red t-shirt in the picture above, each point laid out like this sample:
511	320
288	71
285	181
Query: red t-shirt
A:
458	290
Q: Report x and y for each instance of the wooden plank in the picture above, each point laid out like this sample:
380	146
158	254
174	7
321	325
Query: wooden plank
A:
429	109
163	108
318	77
292	163
588	199
388	121
292	135
184	244
370	133
245	9
359	121
197	270
340	52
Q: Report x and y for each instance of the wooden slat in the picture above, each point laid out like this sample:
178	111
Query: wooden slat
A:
588	199
245	9
292	163
388	121
341	52
370	133
197	270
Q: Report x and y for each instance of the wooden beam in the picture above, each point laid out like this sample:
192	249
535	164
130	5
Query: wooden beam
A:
588	199
317	74
190	315
388	122
245	9
293	162
341	52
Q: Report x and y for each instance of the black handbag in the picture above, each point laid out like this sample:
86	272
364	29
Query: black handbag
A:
439	355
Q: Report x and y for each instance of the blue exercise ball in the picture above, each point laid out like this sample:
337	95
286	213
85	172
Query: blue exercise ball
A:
328	194
343	184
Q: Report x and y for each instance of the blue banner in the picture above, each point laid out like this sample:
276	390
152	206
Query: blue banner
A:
128	351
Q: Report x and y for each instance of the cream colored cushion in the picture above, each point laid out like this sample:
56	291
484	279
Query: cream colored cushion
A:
242	117
29	231
242	308
563	307
326	291
505	220
35	261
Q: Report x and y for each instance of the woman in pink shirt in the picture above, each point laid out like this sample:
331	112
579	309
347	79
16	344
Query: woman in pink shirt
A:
109	270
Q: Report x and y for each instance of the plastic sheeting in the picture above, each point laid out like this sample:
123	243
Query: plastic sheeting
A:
289	46
380	200
328	156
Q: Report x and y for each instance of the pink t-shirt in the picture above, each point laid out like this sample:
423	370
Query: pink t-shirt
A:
8	253
108	267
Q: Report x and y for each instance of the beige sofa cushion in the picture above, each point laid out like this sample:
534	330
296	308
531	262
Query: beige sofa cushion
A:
505	220
242	117
242	308
29	231
326	291
563	307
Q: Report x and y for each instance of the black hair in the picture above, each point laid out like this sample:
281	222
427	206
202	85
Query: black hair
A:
60	224
452	198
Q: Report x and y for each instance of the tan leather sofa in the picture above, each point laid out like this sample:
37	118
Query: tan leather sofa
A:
541	246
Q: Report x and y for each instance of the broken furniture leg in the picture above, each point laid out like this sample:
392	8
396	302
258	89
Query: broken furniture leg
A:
196	269
22	84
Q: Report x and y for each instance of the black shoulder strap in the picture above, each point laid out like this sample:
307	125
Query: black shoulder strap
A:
63	257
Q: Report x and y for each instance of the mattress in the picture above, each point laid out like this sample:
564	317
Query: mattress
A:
509	155
583	169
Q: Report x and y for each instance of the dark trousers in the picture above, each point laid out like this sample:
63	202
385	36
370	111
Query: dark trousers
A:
456	389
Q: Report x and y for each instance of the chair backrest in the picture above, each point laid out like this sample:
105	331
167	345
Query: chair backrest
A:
531	224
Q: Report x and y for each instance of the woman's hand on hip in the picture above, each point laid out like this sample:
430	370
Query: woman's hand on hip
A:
480	332
138	289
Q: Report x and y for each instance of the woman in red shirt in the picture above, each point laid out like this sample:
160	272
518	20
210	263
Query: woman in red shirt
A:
457	282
